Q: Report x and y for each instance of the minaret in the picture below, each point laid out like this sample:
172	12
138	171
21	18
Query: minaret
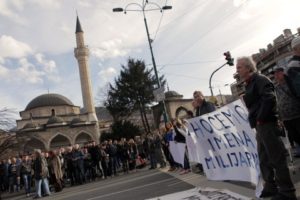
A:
82	55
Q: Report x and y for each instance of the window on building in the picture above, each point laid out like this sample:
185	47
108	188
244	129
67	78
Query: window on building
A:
52	112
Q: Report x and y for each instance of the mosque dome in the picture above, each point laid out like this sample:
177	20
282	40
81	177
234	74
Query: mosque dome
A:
76	120
48	100
29	125
55	120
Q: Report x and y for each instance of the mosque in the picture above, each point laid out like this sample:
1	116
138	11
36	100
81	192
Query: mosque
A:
51	120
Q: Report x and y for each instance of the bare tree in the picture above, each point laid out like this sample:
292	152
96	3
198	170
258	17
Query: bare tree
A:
102	95
7	139
8	143
7	118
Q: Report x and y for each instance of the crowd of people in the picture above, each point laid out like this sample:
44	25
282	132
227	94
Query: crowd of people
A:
53	170
76	165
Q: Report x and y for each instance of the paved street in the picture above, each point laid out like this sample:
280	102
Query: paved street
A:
137	185
146	183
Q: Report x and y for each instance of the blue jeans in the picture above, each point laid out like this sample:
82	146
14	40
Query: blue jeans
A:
27	182
39	183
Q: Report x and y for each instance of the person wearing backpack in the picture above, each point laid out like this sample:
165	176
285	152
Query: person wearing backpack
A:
293	69
288	107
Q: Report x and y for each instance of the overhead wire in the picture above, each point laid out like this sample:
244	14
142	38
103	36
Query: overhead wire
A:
203	35
187	63
192	77
159	23
188	11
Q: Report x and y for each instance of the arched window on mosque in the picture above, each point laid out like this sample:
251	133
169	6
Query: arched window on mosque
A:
181	112
52	112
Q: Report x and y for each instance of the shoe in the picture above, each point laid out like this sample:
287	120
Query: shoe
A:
266	193
280	196
36	197
184	172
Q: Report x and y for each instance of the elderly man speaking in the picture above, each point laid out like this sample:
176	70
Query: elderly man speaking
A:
261	103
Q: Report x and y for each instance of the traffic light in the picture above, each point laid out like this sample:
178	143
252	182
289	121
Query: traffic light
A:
230	60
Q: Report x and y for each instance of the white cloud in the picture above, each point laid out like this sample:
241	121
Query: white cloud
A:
28	72
237	3
48	4
84	3
49	66
17	4
191	31
109	49
12	48
2	61
7	8
106	74
3	71
66	29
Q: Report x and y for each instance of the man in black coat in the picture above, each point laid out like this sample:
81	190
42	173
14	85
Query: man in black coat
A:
262	106
95	152
201	105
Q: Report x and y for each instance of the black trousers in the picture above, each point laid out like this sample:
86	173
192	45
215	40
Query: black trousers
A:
293	129
272	158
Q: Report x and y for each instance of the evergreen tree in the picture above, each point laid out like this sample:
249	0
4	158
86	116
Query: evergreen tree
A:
133	91
121	129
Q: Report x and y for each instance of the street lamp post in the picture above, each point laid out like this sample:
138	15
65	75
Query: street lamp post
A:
143	8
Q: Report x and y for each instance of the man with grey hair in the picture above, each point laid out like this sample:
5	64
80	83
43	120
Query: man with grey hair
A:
261	103
201	105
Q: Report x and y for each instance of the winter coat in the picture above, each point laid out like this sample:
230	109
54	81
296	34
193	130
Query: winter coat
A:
205	108
55	167
260	100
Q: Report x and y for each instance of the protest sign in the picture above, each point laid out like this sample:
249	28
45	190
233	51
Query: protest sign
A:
177	150
194	150
226	143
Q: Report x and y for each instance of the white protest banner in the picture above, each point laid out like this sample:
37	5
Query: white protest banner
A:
203	194
193	148
177	150
227	144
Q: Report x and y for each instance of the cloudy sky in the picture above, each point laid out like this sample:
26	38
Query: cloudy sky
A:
37	42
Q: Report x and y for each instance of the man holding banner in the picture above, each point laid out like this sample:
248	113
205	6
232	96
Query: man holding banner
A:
201	105
261	103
